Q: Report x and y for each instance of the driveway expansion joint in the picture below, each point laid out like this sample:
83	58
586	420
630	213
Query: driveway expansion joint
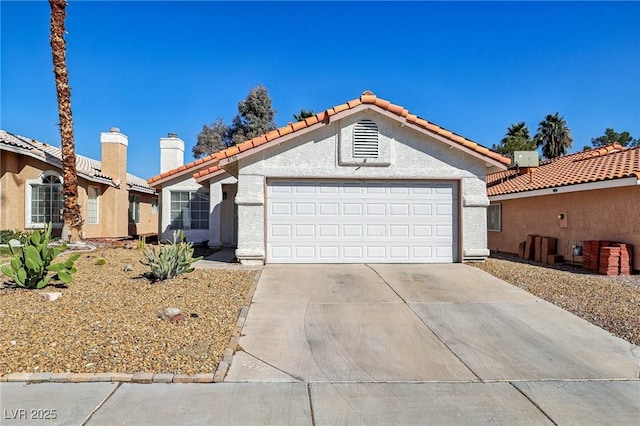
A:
535	404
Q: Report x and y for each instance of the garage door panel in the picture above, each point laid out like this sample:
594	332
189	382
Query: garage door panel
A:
360	221
329	209
328	231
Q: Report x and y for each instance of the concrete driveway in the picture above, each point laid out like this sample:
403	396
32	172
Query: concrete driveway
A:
438	344
377	345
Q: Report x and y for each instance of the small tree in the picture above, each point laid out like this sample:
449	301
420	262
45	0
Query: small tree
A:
213	137
611	136
255	117
553	136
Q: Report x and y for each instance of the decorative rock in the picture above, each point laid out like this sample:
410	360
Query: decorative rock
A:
171	312
128	245
50	296
128	267
14	243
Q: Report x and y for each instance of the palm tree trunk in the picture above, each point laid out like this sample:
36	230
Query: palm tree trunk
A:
71	215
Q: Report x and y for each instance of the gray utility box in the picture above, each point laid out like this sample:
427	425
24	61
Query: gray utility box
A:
525	158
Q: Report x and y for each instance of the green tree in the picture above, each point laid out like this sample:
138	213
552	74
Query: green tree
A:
214	137
303	114
255	116
611	136
553	136
517	138
71	216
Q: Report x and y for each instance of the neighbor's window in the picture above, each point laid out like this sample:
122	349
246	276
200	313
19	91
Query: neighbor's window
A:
494	217
92	205
154	206
46	200
189	210
134	208
365	139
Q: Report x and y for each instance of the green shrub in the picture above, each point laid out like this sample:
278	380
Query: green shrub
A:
173	258
32	266
101	261
7	235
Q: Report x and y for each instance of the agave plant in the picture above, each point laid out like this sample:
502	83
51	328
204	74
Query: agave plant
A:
174	258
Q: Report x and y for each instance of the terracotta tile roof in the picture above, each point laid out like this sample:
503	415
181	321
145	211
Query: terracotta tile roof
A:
88	167
367	98
188	168
606	163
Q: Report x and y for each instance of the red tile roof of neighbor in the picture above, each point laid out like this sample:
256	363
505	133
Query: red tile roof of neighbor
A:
606	163
367	98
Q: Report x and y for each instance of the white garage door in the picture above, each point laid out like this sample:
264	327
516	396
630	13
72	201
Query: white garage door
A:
349	221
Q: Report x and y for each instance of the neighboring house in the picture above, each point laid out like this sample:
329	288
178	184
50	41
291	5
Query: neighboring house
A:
113	203
364	181
591	195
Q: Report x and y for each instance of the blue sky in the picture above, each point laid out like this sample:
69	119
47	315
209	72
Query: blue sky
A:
474	68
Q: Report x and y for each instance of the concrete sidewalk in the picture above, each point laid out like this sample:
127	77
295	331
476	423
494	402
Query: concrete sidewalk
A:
378	344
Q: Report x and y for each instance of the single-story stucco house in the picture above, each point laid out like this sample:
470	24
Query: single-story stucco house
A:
113	203
364	181
591	195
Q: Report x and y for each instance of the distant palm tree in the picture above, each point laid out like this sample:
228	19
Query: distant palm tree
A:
554	136
517	138
71	217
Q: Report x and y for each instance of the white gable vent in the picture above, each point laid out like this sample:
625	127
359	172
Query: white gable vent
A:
365	139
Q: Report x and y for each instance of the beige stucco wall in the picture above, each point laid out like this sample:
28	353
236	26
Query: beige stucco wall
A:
148	220
16	170
603	214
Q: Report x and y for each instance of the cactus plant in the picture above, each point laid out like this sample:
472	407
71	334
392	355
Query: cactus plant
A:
30	267
174	258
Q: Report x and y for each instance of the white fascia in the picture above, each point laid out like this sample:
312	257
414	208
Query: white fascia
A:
605	184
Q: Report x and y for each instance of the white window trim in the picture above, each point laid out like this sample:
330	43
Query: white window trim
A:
190	191
499	217
27	200
155	206
97	199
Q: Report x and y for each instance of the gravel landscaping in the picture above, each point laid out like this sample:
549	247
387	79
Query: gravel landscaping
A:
107	320
610	302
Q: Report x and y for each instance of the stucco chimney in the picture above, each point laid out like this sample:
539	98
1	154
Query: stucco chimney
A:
114	154
114	218
171	152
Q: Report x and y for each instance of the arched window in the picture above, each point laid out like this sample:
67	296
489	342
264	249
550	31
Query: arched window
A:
46	199
365	139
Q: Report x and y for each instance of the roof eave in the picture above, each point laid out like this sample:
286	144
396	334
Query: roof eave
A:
189	170
576	187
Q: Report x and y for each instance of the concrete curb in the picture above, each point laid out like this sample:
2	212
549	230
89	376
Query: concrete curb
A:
149	377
